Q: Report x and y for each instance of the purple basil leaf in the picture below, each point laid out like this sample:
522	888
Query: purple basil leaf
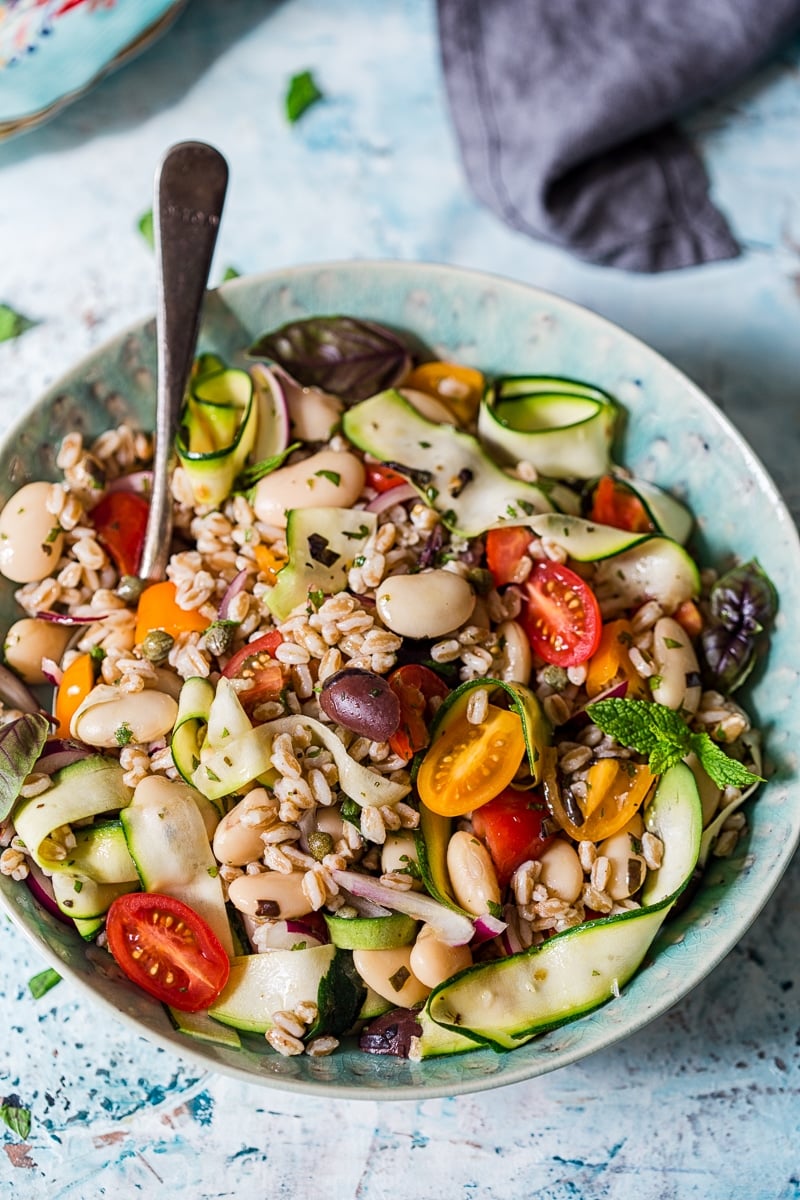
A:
742	604
351	358
21	743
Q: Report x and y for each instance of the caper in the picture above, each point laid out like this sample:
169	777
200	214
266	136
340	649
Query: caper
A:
319	844
130	588
157	645
219	637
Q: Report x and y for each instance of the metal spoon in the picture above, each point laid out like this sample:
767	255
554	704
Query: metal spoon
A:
190	190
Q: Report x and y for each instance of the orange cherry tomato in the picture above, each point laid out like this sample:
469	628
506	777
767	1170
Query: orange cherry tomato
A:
615	504
166	948
460	388
76	683
159	609
611	662
468	765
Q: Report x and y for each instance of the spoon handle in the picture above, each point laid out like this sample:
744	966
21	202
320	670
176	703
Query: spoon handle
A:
189	194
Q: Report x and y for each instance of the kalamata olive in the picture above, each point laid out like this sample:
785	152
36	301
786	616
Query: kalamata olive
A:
361	701
391	1033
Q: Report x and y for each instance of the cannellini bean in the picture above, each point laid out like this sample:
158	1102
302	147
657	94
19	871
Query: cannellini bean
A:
270	894
29	641
433	961
676	681
515	664
561	873
428	406
110	718
389	973
426	605
312	414
235	843
628	867
328	820
330	479
30	537
472	874
397	851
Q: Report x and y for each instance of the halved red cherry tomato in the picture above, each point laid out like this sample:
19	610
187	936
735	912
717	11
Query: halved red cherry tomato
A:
415	687
120	520
561	615
468	765
167	949
382	478
511	827
615	504
255	661
504	549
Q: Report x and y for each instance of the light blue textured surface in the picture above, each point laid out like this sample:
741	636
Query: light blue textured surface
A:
703	1103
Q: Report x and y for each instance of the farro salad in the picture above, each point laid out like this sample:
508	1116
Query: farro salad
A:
425	731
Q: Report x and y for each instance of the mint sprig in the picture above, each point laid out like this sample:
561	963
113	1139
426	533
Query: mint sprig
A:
663	735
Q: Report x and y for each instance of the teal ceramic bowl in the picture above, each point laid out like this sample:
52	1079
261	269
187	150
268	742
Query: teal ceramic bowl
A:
673	435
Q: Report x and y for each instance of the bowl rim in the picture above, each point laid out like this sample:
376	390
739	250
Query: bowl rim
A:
600	1039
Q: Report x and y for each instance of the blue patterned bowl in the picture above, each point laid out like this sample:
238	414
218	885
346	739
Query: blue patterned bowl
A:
674	435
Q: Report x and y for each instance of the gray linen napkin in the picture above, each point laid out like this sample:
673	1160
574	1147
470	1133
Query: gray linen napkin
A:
562	110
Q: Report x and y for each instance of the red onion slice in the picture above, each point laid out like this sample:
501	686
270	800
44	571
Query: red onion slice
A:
395	495
487	927
273	413
236	585
451	927
58	618
60	752
52	671
583	717
137	481
42	891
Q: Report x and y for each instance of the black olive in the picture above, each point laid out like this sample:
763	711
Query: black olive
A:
361	701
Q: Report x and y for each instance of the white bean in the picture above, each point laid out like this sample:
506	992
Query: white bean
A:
428	406
562	873
427	605
330	479
515	663
398	851
30	537
628	867
312	414
676	682
235	843
270	894
29	641
110	718
389	973
472	873
433	961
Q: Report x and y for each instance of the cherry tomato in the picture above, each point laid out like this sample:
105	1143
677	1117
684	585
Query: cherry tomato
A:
460	388
504	549
615	791
615	504
167	949
381	478
560	615
511	827
255	661
468	765
416	687
76	683
120	520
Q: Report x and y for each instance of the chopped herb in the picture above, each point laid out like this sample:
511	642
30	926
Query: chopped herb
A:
225	733
671	644
431	493
495	909
12	324
230	273
147	229
124	734
511	511
77	885
425	445
320	552
299	946
449	516
316	598
655	682
410	867
41	984
17	1118
213	871
625	638
332	476
53	534
350	811
359	560
251	475
301	94
526	507
398	980
212	775
359	533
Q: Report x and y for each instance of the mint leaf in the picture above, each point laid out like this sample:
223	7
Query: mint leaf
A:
145	227
724	770
640	724
663	756
41	984
301	94
17	1118
12	323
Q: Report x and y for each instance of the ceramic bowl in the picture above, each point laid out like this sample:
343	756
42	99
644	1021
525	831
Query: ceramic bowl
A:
673	435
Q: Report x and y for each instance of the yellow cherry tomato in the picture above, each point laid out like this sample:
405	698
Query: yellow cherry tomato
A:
615	790
467	765
460	388
611	662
